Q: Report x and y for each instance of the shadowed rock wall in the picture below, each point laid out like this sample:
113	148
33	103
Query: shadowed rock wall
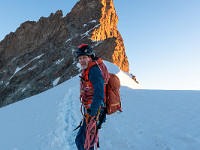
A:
40	55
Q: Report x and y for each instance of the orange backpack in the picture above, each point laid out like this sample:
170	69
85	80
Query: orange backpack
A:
113	101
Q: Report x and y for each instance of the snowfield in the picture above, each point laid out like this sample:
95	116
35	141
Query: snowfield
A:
151	119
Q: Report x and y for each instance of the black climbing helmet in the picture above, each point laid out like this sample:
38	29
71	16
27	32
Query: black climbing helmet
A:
85	49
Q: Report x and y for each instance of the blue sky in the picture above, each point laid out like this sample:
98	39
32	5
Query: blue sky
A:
161	37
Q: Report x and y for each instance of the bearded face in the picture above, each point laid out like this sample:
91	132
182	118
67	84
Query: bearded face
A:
84	61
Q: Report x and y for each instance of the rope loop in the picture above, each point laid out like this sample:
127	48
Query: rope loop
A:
91	134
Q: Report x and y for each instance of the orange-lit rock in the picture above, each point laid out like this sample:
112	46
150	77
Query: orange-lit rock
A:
108	29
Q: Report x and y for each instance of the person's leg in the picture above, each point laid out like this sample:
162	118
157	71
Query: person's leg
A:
80	138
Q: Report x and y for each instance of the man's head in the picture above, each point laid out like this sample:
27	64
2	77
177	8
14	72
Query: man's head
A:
84	54
84	61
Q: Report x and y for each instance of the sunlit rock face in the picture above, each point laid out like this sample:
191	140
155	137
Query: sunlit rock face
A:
108	30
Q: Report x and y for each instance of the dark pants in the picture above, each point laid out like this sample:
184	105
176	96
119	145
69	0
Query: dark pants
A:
80	138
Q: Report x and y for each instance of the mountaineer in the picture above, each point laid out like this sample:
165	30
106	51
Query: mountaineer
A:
94	75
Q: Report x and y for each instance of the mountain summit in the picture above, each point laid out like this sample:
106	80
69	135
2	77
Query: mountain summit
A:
40	55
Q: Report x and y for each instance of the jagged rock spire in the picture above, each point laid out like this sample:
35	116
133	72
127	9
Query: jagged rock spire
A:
40	55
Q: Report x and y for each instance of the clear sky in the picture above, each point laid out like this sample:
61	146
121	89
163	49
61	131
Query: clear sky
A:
161	37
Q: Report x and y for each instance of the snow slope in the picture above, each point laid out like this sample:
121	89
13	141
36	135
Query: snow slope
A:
151	119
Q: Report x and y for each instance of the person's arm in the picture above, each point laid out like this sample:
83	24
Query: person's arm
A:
95	76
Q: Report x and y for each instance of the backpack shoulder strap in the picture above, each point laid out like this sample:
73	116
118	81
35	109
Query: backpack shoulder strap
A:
86	72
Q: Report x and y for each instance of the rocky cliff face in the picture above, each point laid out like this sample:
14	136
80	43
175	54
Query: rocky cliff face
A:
108	30
41	55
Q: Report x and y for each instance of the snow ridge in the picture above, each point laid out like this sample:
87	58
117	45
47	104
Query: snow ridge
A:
151	119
